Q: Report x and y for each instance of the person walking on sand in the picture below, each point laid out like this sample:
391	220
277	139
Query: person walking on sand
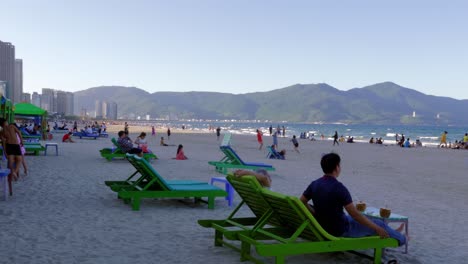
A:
153	131
270	129
126	128
260	138
335	138
284	131
443	139
12	148
218	132
330	196
168	133
295	143
275	139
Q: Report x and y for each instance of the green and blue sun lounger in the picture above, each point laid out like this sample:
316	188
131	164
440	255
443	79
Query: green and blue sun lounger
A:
117	152
152	185
232	161
288	228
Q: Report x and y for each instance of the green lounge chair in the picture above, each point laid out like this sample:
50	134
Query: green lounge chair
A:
117	152
33	148
151	185
300	233
232	161
285	221
248	189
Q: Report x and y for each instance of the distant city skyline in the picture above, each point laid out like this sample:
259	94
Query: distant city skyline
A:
239	47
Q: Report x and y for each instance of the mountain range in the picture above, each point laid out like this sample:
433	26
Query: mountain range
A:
382	103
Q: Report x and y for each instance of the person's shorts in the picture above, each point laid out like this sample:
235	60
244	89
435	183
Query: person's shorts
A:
135	151
296	145
13	149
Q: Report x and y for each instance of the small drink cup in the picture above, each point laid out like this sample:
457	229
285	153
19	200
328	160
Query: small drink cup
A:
361	206
385	212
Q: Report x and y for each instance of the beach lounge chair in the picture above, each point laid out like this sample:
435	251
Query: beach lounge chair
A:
83	134
26	136
117	152
152	185
273	154
248	189
290	229
33	148
232	161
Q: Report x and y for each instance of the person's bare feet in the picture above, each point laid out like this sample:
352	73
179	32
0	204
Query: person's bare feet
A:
400	228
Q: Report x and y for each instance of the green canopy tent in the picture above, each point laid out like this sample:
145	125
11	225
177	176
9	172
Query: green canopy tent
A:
30	110
6	110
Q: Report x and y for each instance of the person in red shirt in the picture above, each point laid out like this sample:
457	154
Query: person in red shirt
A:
260	138
67	138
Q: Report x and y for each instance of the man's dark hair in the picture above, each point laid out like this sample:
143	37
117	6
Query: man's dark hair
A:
2	121
329	162
121	133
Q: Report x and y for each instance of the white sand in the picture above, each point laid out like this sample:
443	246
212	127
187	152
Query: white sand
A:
63	213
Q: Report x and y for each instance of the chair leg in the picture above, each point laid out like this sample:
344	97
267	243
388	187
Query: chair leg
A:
218	239
245	251
136	204
279	260
378	256
211	202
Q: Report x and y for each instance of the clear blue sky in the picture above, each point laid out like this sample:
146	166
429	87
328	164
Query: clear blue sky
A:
239	46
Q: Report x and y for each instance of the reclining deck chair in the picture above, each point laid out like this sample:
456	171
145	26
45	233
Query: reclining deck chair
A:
232	161
288	226
117	152
248	189
151	185
273	154
83	134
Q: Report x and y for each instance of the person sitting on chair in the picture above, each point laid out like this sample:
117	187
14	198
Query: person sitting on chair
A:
126	145
330	196
262	176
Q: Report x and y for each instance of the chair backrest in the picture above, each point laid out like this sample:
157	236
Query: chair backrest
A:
248	189
229	152
292	213
226	139
155	181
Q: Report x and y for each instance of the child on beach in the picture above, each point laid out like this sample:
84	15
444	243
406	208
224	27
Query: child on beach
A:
335	138
141	142
161	142
443	140
295	143
180	153
23	152
260	138
68	138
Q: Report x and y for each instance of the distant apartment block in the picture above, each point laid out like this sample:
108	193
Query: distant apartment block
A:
18	88
26	98
55	101
105	110
3	87
36	99
7	68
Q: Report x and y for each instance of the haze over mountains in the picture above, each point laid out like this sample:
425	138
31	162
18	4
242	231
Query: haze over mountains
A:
382	103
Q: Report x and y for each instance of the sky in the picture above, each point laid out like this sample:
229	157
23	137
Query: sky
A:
239	46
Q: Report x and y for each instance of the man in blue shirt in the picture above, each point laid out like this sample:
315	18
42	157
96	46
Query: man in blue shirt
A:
330	197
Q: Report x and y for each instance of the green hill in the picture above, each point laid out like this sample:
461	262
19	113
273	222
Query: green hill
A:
383	103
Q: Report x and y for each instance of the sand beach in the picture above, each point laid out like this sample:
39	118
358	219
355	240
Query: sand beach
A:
62	212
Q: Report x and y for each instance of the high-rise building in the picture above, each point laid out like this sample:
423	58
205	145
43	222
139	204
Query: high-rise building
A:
26	98
105	106
18	89
61	100
98	109
7	68
69	103
36	99
111	110
48	100
3	86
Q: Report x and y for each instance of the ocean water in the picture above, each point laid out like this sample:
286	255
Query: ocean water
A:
429	135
